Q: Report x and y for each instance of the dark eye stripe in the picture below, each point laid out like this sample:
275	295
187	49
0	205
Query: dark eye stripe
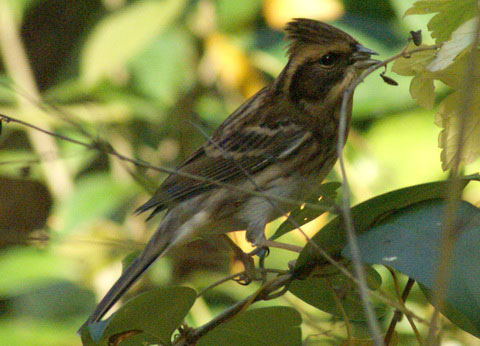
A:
310	84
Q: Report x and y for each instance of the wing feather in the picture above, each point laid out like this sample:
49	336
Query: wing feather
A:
230	155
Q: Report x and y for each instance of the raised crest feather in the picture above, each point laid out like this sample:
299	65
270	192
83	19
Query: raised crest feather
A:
303	31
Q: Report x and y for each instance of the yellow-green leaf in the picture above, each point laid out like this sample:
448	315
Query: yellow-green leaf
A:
422	90
415	64
449	118
450	15
461	39
124	34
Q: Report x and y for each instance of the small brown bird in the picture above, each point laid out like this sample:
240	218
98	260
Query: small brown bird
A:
281	141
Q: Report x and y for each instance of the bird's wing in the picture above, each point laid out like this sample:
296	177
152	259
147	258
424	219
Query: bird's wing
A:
241	147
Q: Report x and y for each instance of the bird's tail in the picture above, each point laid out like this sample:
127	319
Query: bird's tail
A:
129	276
171	231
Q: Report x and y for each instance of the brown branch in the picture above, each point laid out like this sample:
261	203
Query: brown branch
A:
397	315
192	335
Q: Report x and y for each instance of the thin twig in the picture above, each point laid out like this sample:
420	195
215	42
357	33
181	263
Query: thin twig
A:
239	274
106	149
397	315
468	89
194	334
284	246
350	230
340	307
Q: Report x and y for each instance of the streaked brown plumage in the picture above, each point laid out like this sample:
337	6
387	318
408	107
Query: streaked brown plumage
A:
281	141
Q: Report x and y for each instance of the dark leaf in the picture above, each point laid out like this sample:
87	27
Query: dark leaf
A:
327	292
365	215
24	206
152	316
277	325
410	241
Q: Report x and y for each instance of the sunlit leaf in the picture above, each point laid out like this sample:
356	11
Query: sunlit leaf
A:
449	118
422	90
450	15
461	39
325	197
124	34
279	12
415	64
277	325
232	65
410	241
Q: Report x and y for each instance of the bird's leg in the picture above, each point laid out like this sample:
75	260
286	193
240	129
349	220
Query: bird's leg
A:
247	261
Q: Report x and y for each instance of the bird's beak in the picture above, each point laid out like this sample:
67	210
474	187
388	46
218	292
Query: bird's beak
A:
362	57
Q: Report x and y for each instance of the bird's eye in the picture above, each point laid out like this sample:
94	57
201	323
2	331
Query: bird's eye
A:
328	59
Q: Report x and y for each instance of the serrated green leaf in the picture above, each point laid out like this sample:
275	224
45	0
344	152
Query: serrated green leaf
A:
450	15
332	239
449	118
152	316
460	40
422	90
122	35
324	196
415	64
409	241
278	325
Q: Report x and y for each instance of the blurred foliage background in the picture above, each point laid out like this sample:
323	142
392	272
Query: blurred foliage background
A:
153	78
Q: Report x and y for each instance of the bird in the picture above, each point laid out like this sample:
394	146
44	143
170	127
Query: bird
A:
280	142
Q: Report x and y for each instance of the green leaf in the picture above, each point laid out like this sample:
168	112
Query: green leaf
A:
410	241
24	268
278	325
96	195
422	90
461	39
326	293
324	196
332	239
165	69
232	15
54	300
122	35
152	316
449	117
450	15
415	64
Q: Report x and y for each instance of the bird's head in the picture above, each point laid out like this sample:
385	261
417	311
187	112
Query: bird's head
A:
323	62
